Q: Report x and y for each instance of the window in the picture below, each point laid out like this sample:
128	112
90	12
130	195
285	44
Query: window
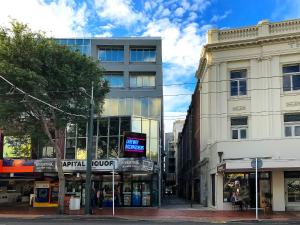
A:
146	54
291	77
141	80
239	126
77	45
111	54
238	82
292	125
115	79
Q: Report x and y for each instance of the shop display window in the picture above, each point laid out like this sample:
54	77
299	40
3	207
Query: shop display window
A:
235	183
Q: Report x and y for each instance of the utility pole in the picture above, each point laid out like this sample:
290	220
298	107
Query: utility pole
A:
87	207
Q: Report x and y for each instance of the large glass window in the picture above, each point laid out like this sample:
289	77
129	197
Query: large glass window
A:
142	54
292	124
239	126
291	77
77	45
111	54
115	79
292	186
147	107
142	80
238	82
237	183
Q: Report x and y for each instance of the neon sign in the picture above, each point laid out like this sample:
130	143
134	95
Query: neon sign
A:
134	144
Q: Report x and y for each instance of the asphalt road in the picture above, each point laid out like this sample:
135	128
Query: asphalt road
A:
115	221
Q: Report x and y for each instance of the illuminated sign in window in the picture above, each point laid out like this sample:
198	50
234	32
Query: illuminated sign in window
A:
134	144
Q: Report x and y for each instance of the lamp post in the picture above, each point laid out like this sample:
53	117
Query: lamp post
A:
87	207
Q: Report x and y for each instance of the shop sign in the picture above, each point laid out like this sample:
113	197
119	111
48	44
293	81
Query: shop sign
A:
135	165
134	144
45	165
80	165
42	185
221	168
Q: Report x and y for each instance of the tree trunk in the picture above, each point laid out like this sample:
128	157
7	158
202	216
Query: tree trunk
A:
61	176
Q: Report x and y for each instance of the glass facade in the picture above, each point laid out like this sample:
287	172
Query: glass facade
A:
142	80
142	54
115	79
146	107
81	45
111	54
108	137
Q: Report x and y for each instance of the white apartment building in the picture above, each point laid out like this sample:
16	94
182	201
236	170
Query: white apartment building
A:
250	107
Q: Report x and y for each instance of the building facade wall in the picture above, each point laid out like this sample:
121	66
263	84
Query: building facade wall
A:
261	51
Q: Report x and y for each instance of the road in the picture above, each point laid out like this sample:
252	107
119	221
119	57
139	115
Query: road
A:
116	221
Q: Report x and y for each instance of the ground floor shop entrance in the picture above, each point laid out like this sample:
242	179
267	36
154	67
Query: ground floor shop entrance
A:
292	190
242	186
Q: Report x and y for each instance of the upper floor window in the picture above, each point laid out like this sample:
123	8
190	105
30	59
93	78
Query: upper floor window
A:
239	127
115	79
291	77
140	80
292	125
111	54
238	82
142	54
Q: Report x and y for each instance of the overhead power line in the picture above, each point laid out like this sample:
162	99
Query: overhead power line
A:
39	100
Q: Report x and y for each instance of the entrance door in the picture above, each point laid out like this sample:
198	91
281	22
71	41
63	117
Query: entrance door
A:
146	194
136	194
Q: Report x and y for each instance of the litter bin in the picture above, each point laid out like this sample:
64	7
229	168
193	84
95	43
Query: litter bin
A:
74	203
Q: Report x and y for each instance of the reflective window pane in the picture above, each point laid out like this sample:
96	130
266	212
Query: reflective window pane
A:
136	106
103	126
144	106
111	54
286	83
296	82
234	88
114	126
292	117
239	121
243	87
154	107
125	124
234	134
297	130
113	147
243	133
143	54
288	131
290	69
102	148
136	124
81	148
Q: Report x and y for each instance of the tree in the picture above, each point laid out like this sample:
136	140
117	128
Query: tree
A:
40	87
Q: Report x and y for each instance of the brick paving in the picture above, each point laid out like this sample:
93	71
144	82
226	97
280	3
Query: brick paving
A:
191	214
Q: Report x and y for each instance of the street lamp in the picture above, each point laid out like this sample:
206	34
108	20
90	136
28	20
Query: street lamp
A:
87	207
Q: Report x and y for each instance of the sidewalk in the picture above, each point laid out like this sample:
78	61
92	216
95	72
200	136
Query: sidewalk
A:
161	214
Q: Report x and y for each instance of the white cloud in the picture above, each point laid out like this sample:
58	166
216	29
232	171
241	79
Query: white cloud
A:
170	118
121	12
165	13
105	34
181	46
58	19
179	12
217	18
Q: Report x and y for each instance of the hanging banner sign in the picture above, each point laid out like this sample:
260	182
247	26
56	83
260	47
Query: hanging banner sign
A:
134	164
80	165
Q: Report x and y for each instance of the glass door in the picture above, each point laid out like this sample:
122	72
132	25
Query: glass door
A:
136	194
146	194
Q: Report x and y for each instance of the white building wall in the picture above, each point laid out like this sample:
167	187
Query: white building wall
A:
264	105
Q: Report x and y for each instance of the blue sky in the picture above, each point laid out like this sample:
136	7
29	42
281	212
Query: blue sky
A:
182	24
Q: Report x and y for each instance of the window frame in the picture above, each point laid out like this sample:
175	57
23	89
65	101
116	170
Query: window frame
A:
111	49
239	128
238	80
138	80
114	74
290	75
144	51
292	125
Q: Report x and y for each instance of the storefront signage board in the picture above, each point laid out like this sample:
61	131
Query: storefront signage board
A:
135	165
80	165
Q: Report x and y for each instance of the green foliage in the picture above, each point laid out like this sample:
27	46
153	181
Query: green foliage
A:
48	71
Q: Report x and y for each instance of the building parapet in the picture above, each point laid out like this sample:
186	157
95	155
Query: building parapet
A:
263	29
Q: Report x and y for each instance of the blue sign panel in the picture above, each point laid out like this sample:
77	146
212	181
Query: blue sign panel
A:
134	144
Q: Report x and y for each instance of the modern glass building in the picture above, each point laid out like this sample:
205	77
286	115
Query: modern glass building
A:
133	68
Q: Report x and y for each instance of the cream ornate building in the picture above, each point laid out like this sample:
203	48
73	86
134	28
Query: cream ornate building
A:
250	107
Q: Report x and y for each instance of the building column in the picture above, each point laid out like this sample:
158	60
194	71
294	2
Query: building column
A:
278	199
